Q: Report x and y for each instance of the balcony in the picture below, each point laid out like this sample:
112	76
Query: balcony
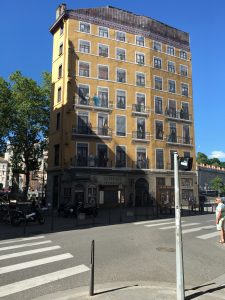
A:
141	164
178	115
178	140
92	132
141	136
140	110
91	161
93	104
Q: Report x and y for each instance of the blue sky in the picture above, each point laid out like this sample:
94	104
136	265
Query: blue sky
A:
26	45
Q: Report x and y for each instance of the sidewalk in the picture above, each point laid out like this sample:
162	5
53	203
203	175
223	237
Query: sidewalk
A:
139	291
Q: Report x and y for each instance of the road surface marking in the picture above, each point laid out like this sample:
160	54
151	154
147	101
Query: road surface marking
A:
152	221
197	229
24	245
184	225
21	240
208	235
34	263
159	224
28	252
27	284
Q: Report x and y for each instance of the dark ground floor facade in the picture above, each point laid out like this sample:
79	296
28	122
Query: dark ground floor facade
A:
108	188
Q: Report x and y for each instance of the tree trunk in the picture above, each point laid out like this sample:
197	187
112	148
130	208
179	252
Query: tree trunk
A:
27	174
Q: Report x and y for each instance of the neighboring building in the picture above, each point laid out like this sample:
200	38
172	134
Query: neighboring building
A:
206	173
4	176
122	105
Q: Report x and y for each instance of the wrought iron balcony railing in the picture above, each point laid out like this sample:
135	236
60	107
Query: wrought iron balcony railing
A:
92	131
178	114
140	109
91	161
141	136
179	140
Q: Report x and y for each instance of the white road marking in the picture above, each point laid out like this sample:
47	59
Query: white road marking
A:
34	263
23	285
184	225
208	235
21	240
197	229
28	252
159	224
24	245
152	221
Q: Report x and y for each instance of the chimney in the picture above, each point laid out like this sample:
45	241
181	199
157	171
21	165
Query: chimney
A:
60	10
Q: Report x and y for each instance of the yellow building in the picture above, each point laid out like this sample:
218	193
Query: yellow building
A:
122	104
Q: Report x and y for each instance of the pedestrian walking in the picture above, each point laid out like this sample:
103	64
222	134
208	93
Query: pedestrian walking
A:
220	218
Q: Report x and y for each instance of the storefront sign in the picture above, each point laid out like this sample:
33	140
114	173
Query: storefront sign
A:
111	180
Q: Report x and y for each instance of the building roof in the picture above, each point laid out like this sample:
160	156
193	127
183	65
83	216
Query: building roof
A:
119	19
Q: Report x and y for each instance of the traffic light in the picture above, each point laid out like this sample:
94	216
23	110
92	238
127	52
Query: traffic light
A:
185	163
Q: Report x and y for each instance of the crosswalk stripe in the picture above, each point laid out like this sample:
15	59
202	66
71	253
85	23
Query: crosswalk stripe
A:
152	221
34	263
24	245
184	225
159	224
207	236
197	229
23	285
21	240
28	252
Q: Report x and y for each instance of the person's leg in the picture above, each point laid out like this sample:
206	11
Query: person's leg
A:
222	235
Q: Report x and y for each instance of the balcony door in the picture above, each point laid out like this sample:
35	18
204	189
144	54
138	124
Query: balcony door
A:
102	124
140	128
82	124
102	155
82	154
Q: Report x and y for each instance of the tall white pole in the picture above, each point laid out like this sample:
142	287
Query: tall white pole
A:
179	245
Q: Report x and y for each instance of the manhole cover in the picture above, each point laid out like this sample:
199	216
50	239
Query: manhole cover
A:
165	249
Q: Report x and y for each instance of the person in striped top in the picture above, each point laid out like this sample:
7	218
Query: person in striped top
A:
220	218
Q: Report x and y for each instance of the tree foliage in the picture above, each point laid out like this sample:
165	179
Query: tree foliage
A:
25	108
203	159
217	184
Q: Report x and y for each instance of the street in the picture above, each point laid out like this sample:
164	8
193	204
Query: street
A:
135	252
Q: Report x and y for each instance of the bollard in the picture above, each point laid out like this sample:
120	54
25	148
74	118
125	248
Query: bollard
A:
91	290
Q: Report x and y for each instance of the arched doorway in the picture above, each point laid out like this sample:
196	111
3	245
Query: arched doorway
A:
79	194
141	192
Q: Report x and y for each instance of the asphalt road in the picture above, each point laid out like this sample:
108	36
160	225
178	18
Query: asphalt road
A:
142	251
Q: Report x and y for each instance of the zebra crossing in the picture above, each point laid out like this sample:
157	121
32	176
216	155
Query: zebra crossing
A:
20	249
169	224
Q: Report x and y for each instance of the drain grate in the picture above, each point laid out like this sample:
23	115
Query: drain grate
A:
165	249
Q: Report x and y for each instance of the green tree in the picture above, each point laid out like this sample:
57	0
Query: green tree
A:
202	158
217	184
28	121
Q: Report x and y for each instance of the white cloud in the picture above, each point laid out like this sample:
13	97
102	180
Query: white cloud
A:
217	154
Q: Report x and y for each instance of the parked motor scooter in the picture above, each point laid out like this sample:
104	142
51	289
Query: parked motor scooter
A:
34	215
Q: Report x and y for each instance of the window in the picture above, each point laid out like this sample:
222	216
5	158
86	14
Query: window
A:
82	123
102	155
173	133
121	99
56	155
171	86
120	54
103	128
158	105
172	159
157	63
140	40
84	69
183	54
187	154
61	29
159	130
103	72
140	128
85	27
171	66
121	75
121	36
158	83
142	162
157	46
60	49
103	95
171	110
186	134
120	156
183	70
82	154
59	97
103	50
159	159
170	50
103	32
58	121
184	89
84	46
121	125
140	58
83	92
184	112
60	71
140	79
140	106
